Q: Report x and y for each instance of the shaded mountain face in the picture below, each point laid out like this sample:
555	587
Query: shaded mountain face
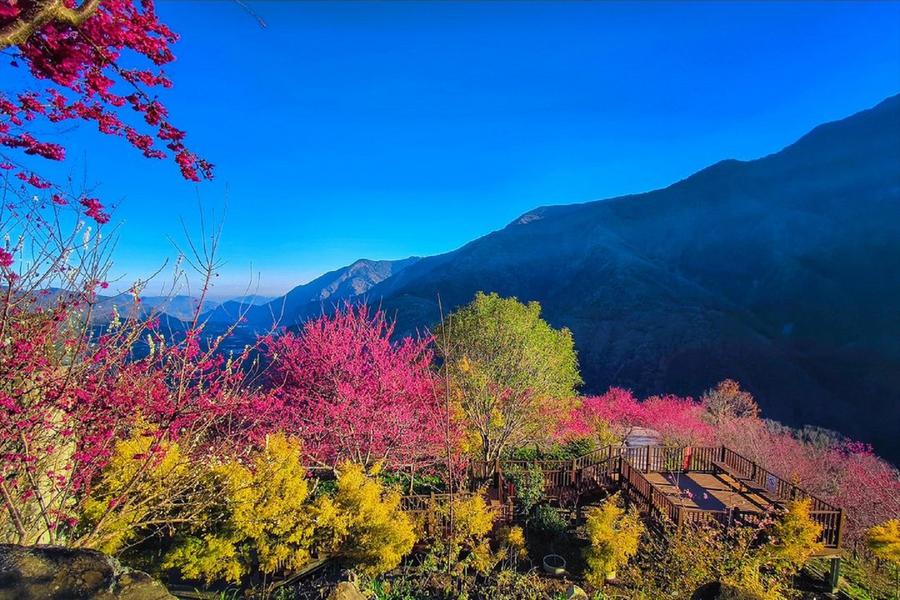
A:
781	272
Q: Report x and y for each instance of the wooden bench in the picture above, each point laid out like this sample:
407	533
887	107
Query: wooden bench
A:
746	484
730	471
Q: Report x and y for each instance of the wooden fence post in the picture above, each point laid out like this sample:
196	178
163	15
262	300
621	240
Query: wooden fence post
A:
433	516
834	574
840	527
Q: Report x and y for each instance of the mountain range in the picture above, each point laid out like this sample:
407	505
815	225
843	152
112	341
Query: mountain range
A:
177	307
781	272
322	293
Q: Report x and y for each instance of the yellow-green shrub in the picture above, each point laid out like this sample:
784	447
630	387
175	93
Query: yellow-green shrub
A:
795	537
466	543
141	477
884	541
363	522
512	542
747	583
614	534
263	521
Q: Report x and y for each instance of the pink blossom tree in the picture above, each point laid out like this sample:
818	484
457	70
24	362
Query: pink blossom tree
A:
70	390
679	420
354	394
846	474
77	60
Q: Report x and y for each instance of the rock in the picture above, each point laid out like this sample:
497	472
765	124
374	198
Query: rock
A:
708	591
55	573
573	592
346	591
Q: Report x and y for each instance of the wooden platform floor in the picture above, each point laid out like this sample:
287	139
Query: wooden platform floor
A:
706	491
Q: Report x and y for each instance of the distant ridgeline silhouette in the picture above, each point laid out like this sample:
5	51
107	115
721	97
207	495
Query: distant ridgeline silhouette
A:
781	272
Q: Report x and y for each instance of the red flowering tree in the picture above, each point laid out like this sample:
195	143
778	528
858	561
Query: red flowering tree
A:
679	420
354	394
70	390
83	61
846	474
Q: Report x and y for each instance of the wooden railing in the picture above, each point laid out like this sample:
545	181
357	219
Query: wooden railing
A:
662	459
626	466
643	493
703	459
660	506
561	477
828	516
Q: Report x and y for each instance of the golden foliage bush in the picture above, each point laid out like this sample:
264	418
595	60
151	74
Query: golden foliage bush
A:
466	543
364	522
142	477
794	538
749	564
884	541
263	520
614	534
512	542
747	583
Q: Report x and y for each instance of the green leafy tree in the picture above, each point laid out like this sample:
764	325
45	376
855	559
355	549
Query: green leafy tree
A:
511	371
529	484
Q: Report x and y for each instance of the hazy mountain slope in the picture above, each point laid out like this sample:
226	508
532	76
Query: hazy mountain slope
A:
252	300
180	307
311	298
783	272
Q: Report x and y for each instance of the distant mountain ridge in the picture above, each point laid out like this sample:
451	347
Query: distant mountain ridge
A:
320	294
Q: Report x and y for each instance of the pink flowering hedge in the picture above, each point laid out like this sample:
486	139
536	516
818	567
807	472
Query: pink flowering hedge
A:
679	420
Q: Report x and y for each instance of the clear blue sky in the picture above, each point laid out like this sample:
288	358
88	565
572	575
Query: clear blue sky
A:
384	130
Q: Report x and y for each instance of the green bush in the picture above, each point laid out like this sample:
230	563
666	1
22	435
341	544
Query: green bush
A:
548	521
421	483
529	483
567	451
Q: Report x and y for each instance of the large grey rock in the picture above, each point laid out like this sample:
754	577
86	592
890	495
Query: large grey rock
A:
55	573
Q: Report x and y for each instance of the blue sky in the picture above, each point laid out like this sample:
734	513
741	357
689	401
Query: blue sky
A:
383	130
